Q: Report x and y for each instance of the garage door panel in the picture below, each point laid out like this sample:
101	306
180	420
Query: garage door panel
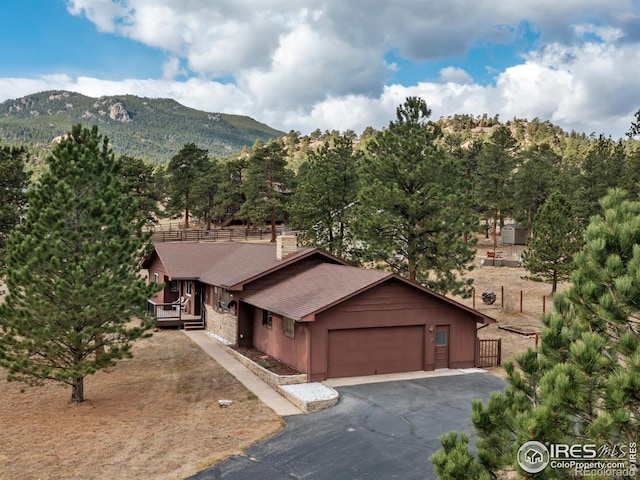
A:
371	351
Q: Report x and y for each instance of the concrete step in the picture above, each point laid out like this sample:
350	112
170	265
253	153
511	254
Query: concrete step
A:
194	325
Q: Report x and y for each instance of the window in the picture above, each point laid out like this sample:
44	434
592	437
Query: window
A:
441	339
288	327
188	288
174	286
156	278
267	318
221	298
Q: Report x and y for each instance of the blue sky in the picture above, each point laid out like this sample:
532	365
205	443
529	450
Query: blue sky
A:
302	65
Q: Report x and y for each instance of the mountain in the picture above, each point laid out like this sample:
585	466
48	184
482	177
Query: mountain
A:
154	129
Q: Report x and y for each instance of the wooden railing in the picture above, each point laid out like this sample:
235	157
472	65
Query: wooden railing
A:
164	311
217	235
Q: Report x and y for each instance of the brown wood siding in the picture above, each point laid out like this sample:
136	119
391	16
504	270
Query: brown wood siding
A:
273	341
395	304
372	351
163	295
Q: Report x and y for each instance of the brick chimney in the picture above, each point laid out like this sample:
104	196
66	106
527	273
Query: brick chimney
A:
286	244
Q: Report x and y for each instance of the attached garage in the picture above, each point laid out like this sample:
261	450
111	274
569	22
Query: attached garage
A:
349	322
371	351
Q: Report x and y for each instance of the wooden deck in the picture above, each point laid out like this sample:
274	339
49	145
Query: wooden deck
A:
170	315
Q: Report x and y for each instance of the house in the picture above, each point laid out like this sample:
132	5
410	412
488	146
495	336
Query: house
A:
315	312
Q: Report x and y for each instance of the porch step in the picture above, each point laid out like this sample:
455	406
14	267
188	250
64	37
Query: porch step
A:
193	325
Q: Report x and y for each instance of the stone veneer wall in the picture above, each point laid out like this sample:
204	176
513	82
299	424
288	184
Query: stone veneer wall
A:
266	375
224	325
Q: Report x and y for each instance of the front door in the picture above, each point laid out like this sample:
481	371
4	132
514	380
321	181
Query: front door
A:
442	347
198	298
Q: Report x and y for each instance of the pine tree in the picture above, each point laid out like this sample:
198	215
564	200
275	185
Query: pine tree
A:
323	203
266	184
413	213
536	178
14	180
206	190
73	270
141	183
493	177
184	169
583	384
556	237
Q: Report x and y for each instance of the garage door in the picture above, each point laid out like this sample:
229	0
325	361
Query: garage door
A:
371	351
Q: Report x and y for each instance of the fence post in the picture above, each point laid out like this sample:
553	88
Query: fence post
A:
477	362
502	296
544	304
520	301
473	294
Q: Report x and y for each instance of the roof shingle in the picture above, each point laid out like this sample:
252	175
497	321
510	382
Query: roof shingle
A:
223	263
315	289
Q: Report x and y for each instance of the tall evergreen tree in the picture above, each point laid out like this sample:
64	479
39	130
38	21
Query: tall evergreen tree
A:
493	177
266	185
556	238
230	193
413	213
206	188
73	270
634	130
141	183
323	203
184	169
14	180
601	168
536	177
583	384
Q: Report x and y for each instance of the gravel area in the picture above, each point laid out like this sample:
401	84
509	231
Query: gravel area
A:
310	392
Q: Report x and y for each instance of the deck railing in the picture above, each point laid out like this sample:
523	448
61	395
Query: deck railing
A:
164	311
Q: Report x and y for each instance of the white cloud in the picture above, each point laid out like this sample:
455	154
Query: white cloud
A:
455	75
320	64
172	68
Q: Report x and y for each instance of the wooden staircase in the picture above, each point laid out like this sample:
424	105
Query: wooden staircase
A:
193	324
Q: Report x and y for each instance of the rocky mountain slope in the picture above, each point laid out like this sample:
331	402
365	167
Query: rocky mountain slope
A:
152	129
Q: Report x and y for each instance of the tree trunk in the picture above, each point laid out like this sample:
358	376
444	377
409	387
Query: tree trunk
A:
273	225
209	207
495	234
77	391
186	211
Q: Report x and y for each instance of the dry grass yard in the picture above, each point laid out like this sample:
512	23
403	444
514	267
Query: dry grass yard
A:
154	416
507	308
157	415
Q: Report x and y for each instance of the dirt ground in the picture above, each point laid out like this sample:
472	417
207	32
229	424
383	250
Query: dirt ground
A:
153	416
156	416
509	286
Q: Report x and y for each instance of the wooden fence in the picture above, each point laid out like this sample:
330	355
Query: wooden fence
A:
218	235
488	352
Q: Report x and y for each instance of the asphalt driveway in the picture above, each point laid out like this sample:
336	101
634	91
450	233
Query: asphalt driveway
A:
376	431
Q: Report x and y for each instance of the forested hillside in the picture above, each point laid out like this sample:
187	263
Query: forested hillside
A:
408	196
152	129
